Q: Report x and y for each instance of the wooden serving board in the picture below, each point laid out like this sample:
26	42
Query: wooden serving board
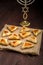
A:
34	50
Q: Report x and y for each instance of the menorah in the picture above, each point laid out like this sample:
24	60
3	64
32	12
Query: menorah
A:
25	10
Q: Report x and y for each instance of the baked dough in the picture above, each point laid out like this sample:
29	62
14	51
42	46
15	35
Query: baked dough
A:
27	45
24	29
14	36
6	32
12	27
3	41
36	32
32	39
24	34
15	43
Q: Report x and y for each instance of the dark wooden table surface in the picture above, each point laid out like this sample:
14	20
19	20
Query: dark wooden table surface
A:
10	13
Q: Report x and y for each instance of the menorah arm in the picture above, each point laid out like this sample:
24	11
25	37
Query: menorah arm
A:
25	2
20	2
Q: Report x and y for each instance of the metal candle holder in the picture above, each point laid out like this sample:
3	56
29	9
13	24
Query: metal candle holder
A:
25	10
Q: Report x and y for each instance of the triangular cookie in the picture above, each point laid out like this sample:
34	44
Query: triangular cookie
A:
27	45
12	27
3	41
6	32
14	36
24	29
15	43
32	39
24	34
36	32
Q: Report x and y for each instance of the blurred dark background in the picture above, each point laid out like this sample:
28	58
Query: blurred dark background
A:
11	13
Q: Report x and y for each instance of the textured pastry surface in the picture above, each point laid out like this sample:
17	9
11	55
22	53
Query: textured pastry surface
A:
6	32
32	39
36	32
25	34
15	43
12	28
3	41
24	41
14	36
27	45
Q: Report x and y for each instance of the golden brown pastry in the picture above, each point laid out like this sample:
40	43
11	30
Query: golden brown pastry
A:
15	43
24	29
12	27
36	32
27	45
6	32
32	39
14	36
24	34
3	41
